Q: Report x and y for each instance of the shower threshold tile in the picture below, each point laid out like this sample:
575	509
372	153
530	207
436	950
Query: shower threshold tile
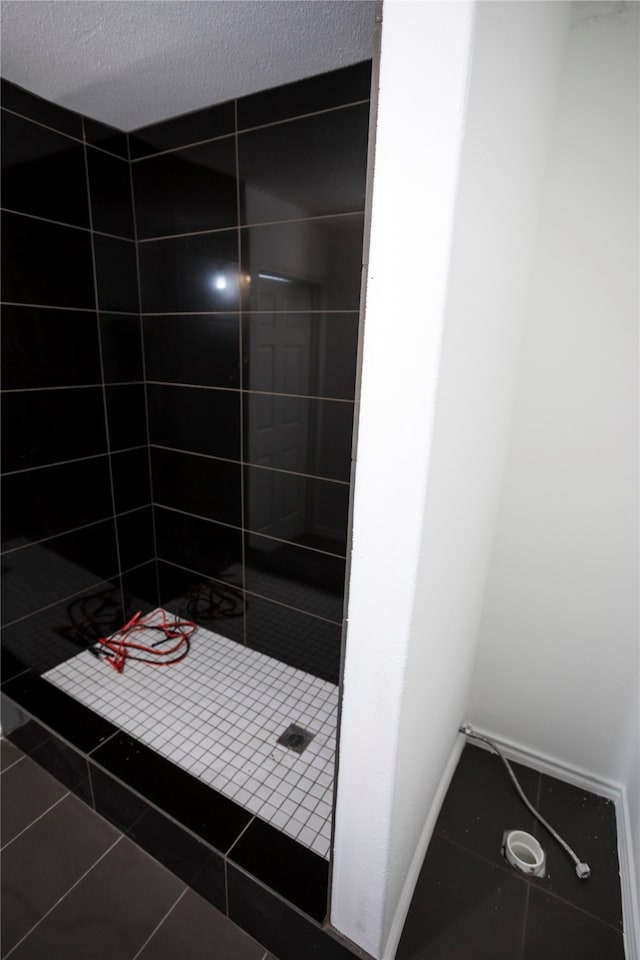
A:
217	715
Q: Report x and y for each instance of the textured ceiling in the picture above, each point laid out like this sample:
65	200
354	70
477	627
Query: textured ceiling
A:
133	62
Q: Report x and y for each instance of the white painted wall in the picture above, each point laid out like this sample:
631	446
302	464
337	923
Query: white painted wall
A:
452	238
558	668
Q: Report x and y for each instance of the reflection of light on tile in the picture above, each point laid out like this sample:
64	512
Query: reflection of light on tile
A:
218	715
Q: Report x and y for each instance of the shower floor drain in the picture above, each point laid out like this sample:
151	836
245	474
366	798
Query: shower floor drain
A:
295	738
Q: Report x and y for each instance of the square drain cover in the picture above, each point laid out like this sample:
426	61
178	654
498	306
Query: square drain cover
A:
295	738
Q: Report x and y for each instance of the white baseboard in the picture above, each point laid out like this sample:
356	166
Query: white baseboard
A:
408	888
603	788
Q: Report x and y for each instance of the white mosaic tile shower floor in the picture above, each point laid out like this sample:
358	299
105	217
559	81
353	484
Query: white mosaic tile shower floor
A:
218	714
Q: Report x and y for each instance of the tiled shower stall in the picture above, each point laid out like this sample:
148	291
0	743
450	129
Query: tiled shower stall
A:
179	343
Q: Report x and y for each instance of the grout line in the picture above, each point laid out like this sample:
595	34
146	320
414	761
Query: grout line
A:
61	307
157	927
230	526
70	386
63	223
247	312
35	820
63	897
105	405
517	874
239	132
524	923
243	485
69	136
11	765
144	371
64	533
249	466
63	463
246	391
249	226
48	606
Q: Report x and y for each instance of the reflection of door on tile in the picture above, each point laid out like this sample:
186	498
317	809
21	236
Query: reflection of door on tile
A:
278	429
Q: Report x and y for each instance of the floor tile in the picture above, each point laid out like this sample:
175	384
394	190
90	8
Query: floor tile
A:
110	914
9	754
194	930
482	803
588	824
463	908
558	931
42	864
27	791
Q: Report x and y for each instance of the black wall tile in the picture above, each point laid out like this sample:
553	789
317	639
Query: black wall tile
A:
296	508
105	137
135	538
74	722
293	871
201	545
49	348
187	190
140	589
110	189
309	167
201	350
184	798
191	419
180	852
50	636
50	500
217	606
116	274
43	173
190	274
127	416
188	128
65	764
302	641
275	924
48	426
121	341
301	578
42	574
131	485
300	434
115	802
326	252
308	354
201	485
307	96
44	111
44	263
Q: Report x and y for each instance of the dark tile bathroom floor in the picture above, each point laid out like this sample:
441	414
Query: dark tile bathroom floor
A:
74	886
469	904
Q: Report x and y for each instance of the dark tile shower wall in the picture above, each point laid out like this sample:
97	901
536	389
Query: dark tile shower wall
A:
209	457
249	220
77	518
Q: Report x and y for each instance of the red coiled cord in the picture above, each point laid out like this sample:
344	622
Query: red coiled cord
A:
119	645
